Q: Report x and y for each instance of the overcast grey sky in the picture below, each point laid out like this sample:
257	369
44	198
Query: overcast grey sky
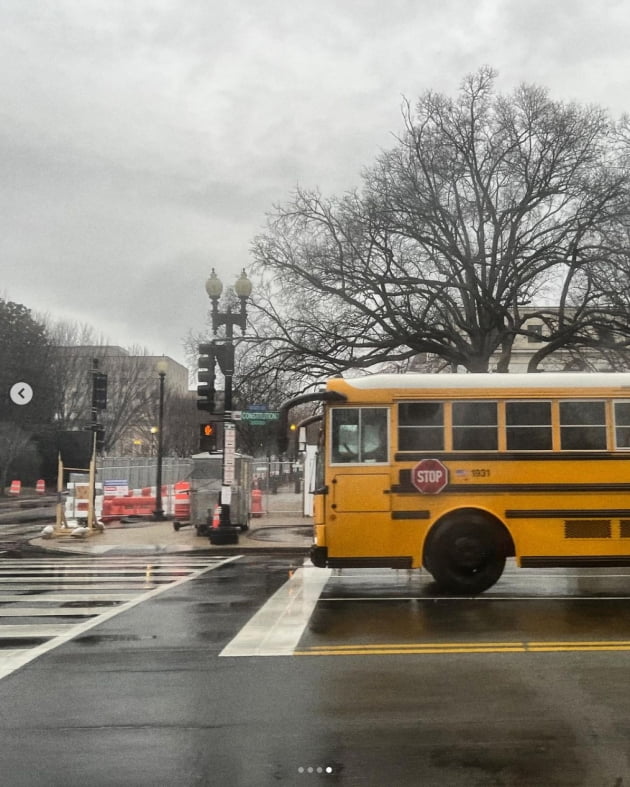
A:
143	141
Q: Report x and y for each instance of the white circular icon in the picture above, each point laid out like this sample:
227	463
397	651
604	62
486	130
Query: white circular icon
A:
21	393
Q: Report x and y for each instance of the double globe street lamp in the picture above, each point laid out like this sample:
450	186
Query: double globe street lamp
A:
225	357
243	289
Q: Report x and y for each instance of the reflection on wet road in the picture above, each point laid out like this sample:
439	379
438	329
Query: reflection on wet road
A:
381	611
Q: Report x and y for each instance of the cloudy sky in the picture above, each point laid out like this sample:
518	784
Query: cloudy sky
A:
143	141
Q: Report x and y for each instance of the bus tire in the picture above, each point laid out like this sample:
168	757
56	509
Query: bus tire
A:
466	553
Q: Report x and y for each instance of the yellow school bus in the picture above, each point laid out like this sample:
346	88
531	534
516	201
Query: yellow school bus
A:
457	472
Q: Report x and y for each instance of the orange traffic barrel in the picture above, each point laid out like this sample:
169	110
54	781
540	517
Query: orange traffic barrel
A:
256	508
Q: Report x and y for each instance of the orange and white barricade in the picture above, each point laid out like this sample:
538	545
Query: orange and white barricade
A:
78	503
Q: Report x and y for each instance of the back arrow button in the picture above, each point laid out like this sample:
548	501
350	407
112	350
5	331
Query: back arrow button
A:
21	393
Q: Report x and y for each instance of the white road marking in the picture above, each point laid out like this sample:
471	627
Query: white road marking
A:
8	598
51	612
59	634
34	631
276	628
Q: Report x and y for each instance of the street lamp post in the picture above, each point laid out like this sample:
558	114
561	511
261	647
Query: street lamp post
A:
154	430
225	358
158	514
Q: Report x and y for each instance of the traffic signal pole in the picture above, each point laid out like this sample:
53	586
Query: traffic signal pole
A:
223	354
229	436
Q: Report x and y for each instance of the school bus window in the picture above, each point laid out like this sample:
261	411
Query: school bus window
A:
528	426
359	435
582	426
622	425
319	462
421	426
475	426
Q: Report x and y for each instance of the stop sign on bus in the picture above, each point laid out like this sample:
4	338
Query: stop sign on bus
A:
429	476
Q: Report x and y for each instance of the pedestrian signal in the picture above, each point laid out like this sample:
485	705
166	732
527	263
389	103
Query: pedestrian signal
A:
207	437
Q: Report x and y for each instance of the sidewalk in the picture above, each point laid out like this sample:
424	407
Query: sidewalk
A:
282	528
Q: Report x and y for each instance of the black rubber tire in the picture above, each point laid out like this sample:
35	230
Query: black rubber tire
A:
466	553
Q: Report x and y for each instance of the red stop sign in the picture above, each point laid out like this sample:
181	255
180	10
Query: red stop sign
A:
429	476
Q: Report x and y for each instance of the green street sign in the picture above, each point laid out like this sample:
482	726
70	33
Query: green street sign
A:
259	417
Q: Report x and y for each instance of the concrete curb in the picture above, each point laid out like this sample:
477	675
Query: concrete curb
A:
281	531
152	538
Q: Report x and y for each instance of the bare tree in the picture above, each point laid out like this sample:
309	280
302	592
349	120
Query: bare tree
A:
73	348
131	390
593	307
181	425
487	204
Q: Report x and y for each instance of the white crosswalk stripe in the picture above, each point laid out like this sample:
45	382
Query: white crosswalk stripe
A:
45	602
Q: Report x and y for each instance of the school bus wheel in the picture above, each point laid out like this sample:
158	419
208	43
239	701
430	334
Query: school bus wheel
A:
466	552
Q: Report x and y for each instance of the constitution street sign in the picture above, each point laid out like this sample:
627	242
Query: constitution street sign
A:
259	417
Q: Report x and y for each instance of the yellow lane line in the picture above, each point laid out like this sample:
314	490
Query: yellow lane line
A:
414	645
397	652
464	647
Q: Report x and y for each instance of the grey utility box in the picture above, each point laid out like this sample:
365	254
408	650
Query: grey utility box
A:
205	490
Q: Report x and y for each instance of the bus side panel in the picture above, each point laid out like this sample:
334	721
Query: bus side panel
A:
562	525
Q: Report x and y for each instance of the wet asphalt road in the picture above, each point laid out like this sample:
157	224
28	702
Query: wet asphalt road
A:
390	684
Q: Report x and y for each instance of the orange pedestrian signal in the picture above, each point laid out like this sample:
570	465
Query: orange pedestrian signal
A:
208	434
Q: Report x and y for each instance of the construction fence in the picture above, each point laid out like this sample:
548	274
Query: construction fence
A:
140	472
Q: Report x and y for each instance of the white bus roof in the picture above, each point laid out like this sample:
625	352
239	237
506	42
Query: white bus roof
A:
541	380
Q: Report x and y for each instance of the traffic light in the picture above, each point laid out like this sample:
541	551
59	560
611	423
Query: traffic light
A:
99	391
205	377
207	437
